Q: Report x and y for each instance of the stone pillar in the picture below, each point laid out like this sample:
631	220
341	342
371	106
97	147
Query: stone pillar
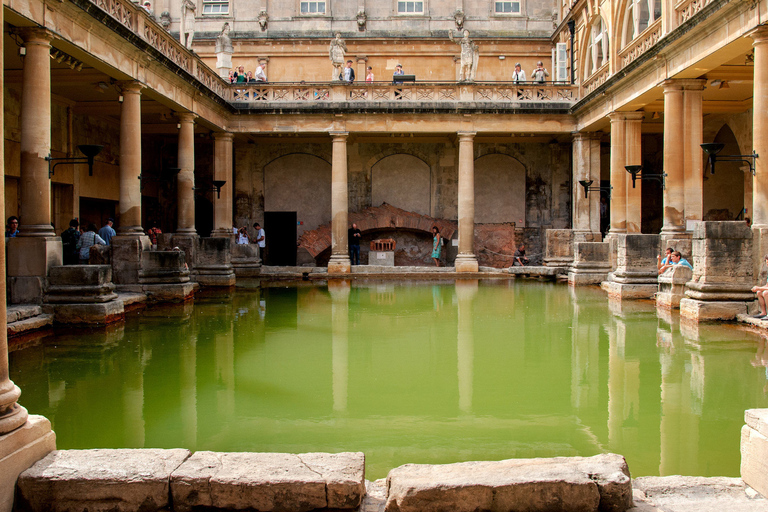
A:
339	262
186	176
36	135
37	249
466	261
23	439
636	274
130	241
693	158
130	161
674	165
586	166
633	156
222	206
618	174
760	143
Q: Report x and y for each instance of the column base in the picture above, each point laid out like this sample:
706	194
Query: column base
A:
466	263
629	291
29	261
19	450
339	264
245	260
189	243
126	257
704	310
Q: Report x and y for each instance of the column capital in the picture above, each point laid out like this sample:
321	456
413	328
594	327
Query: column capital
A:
466	136
339	136
187	117
626	116
759	35
587	135
34	35
131	87
678	84
225	136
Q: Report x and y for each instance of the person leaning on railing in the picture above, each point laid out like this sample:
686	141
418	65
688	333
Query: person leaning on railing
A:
539	74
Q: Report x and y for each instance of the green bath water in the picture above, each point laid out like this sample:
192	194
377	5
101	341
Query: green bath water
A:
406	372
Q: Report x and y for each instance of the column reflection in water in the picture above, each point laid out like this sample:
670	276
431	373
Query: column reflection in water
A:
339	290
466	291
585	346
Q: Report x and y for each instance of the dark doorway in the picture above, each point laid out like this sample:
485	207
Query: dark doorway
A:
280	235
96	211
203	216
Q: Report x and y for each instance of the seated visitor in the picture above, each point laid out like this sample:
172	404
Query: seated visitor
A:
675	259
661	262
761	292
520	258
87	240
12	228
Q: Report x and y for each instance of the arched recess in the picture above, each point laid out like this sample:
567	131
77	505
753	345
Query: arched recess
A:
299	183
499	189
403	181
724	191
596	50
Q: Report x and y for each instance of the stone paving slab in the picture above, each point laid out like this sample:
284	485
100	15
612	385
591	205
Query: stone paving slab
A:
695	494
22	312
578	484
534	270
99	480
269	481
29	324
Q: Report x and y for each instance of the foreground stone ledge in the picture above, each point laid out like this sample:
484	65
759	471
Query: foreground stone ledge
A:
269	481
99	480
754	450
564	484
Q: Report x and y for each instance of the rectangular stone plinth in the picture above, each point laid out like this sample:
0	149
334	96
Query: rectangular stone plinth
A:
246	260
672	286
558	250
754	450
126	257
171	292
623	291
269	481
89	313
591	263
703	311
381	258
100	480
163	267
80	284
223	277
20	449
564	483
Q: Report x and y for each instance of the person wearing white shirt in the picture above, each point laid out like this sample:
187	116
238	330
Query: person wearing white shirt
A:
261	73
519	74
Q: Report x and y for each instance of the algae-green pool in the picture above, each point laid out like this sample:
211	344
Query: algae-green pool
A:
406	372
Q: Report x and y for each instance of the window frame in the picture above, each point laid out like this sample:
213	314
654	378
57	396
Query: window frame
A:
636	20
494	12
206	3
423	12
599	40
326	4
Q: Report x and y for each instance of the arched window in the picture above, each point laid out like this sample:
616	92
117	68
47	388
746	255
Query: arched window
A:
640	14
597	52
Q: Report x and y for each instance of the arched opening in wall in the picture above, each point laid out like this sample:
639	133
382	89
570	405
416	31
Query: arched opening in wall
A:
724	191
402	181
297	184
499	190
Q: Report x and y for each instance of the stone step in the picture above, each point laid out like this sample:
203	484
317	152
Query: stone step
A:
699	494
22	312
30	324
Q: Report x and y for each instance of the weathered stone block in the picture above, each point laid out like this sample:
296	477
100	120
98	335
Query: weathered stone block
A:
163	267
246	260
126	257
558	249
80	284
672	286
269	481
19	449
705	310
754	459
170	292
591	263
563	484
383	258
757	419
28	261
80	275
100	480
214	265
91	313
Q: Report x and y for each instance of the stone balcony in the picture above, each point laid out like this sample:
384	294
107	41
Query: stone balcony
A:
435	96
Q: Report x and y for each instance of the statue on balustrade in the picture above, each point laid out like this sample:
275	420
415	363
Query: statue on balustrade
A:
470	54
187	32
223	41
336	53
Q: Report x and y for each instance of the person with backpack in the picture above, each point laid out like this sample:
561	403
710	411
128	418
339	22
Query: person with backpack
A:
69	239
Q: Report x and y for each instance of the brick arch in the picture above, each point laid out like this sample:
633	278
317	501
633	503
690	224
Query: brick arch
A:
292	153
379	218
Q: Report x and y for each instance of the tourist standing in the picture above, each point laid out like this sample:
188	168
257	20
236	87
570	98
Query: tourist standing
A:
348	74
437	245
354	235
398	71
261	73
107	232
12	227
261	241
369	76
242	236
69	240
518	75
539	74
88	240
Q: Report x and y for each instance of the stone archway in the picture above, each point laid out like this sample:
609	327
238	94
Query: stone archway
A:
388	176
499	189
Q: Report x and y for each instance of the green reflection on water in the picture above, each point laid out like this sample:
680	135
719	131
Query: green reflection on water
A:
406	372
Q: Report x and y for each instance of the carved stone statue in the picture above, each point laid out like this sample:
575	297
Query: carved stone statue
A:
263	20
165	20
223	41
470	53
362	18
458	18
187	33
336	52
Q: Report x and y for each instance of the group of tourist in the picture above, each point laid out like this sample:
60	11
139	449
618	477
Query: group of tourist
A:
240	76
77	241
243	238
670	259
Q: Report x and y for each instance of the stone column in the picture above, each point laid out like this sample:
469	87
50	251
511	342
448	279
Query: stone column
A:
586	166
674	165
186	177
466	261
339	262
693	158
130	161
222	206
760	143
37	249
618	174
633	156
36	134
